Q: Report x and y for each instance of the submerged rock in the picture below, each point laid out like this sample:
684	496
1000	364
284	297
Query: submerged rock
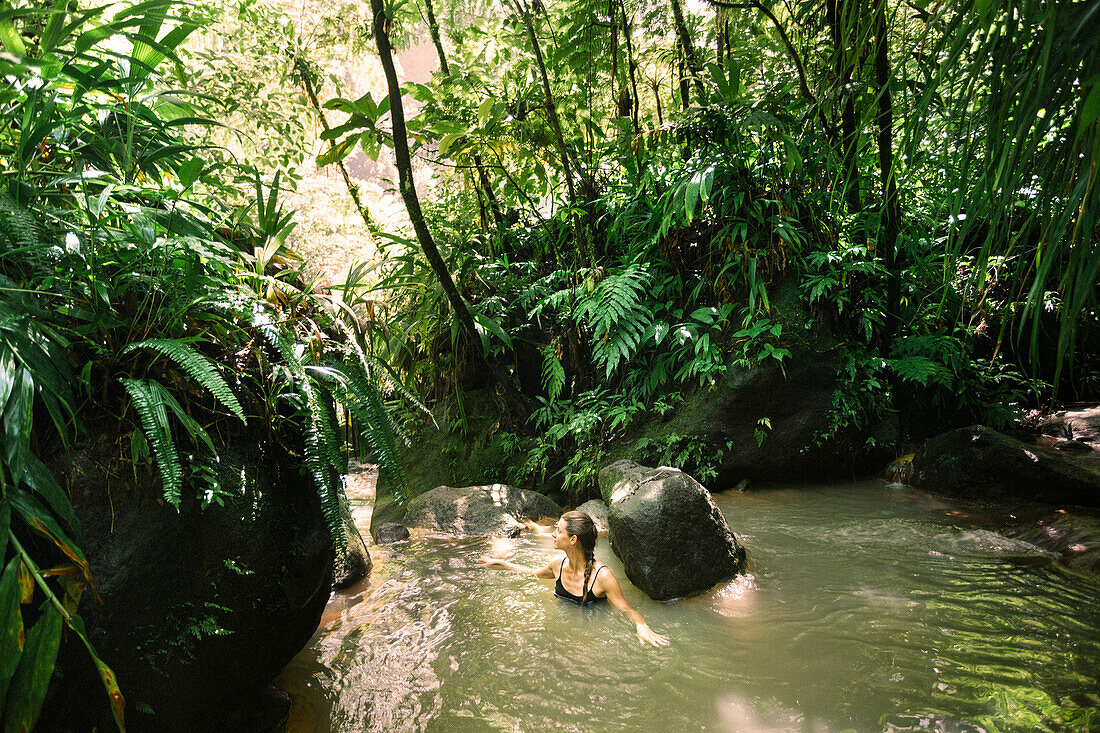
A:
667	530
202	607
1074	537
598	511
495	509
391	532
979	463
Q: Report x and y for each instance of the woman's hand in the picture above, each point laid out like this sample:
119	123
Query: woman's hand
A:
647	635
489	561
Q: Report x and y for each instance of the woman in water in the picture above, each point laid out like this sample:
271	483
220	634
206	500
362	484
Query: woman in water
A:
575	534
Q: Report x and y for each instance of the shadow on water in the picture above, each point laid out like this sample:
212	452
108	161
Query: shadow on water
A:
867	607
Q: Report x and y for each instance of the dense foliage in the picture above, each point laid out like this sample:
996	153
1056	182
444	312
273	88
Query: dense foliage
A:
134	299
628	189
630	200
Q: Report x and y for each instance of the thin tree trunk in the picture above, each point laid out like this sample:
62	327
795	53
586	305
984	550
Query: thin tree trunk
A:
657	98
482	176
513	401
838	14
631	66
888	236
687	51
433	29
487	187
551	109
685	95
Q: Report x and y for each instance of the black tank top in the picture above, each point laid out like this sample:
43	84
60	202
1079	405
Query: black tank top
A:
561	592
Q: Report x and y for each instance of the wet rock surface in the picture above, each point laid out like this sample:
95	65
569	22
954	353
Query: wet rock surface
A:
1079	424
353	563
794	445
391	532
495	509
668	532
981	464
598	511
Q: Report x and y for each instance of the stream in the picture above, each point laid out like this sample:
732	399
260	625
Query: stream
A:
867	607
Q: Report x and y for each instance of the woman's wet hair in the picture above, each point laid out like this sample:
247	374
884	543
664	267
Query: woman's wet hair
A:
581	526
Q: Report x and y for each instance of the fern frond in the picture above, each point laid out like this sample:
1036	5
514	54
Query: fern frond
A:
920	369
553	373
18	226
377	430
618	314
376	369
150	407
318	462
198	367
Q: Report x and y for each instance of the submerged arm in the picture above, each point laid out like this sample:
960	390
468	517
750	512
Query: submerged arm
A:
546	572
614	593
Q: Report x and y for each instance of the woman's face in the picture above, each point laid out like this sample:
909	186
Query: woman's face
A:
561	537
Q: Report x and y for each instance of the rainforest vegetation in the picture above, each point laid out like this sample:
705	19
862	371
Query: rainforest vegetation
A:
618	202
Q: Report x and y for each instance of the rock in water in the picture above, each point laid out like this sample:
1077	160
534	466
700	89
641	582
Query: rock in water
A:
598	511
354	563
981	464
392	532
667	530
495	509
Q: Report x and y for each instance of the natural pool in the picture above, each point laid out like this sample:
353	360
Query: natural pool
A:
868	607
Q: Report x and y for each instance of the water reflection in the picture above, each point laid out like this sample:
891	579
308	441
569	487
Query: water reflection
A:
867	608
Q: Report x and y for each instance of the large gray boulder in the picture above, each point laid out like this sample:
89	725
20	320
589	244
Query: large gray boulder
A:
980	464
668	532
496	509
1080	424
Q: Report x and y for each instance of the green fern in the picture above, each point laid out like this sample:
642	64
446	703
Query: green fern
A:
618	314
18	228
553	373
150	407
319	463
322	456
197	366
921	370
375	427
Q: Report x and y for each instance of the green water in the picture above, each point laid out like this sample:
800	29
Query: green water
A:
866	608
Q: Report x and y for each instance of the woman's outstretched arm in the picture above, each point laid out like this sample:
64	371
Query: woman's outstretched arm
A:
610	586
546	572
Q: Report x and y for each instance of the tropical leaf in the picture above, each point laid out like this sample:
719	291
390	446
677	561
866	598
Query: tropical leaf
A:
11	622
28	685
553	373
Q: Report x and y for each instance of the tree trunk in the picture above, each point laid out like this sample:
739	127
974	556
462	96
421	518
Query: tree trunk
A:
888	235
353	189
839	14
482	176
513	401
433	29
631	66
687	51
551	109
